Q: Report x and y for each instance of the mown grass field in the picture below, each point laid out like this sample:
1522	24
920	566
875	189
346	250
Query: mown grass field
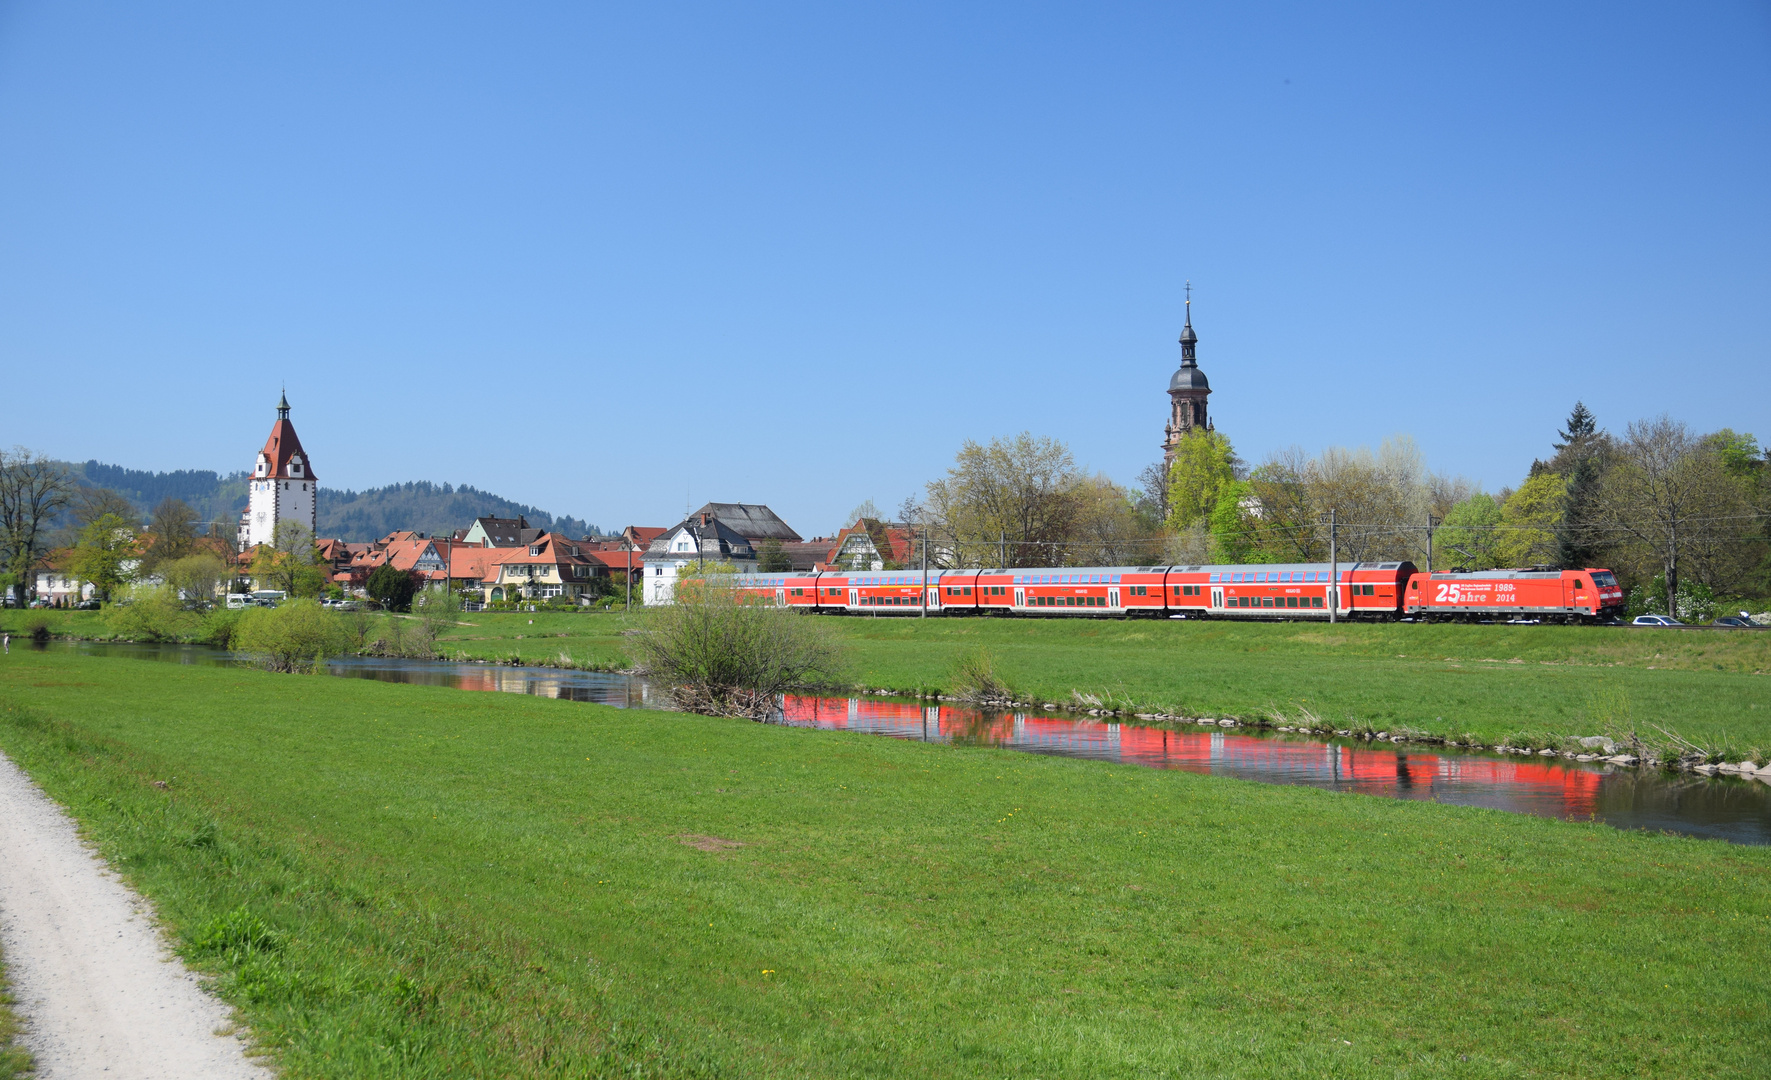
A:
1713	687
409	881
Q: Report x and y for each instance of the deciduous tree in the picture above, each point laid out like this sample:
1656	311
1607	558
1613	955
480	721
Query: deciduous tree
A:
1530	518
33	491
174	532
1470	534
1019	489
105	555
1669	497
1204	463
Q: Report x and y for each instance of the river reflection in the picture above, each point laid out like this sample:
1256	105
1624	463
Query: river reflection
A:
1723	807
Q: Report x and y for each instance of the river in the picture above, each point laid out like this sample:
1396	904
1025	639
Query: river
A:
1722	807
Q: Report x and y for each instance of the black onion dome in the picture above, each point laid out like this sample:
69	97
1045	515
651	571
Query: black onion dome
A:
1189	377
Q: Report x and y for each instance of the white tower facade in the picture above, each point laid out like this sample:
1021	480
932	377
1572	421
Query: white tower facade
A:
284	487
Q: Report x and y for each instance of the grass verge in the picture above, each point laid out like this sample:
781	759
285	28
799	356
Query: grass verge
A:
15	1062
410	881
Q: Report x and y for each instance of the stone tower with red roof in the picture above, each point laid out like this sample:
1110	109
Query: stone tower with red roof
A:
283	485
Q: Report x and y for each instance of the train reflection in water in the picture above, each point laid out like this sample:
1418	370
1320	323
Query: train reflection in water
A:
1547	788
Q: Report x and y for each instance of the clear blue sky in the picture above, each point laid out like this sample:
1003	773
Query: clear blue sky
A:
610	259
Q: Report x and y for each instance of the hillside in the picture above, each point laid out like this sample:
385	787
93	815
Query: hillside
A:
349	515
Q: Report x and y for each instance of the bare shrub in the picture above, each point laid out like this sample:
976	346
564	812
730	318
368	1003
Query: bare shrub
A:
975	679
723	655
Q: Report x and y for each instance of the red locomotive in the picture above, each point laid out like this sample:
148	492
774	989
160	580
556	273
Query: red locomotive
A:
1381	590
1538	592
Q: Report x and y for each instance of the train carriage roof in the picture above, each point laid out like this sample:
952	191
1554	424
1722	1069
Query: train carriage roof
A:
1528	573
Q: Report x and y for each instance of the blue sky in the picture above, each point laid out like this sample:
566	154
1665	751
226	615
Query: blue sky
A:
609	260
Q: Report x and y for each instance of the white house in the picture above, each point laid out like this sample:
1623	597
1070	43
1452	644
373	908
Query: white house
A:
699	539
284	487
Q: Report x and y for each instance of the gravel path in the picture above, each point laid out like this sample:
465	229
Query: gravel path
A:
100	994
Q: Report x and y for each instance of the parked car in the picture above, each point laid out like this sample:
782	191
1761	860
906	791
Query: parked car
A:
1739	622
1655	620
88	605
347	605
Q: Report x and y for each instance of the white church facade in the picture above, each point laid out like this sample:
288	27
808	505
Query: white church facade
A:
283	486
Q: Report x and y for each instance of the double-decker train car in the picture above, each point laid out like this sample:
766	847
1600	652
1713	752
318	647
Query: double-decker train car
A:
1540	592
1288	590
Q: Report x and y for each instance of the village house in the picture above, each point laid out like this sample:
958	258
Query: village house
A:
490	532
56	585
549	568
700	539
869	544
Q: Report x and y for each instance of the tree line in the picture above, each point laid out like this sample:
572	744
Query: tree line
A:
43	509
1683	517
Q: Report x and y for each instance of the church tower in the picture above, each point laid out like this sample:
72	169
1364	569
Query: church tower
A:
283	485
1187	391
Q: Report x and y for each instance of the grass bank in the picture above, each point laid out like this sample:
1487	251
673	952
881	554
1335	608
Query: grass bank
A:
15	1063
409	881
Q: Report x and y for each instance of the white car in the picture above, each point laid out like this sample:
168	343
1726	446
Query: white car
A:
1656	620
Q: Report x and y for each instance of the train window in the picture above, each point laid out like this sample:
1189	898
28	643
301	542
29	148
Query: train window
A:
1315	601
1291	601
1579	584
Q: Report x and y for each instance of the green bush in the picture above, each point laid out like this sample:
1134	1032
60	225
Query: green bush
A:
219	626
154	612
294	636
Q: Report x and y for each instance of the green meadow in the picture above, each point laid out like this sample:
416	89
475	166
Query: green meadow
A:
408	881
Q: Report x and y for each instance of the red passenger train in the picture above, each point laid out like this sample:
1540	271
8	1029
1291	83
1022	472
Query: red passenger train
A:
1367	590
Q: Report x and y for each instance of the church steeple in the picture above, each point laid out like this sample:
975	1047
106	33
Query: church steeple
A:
283	406
1187	390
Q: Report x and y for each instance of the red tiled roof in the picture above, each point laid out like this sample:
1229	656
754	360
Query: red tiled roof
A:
280	447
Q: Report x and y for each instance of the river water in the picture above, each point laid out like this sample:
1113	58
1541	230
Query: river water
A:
1722	807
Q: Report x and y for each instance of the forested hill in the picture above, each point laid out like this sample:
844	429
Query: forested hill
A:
427	508
349	515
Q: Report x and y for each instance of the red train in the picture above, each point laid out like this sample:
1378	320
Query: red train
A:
1381	590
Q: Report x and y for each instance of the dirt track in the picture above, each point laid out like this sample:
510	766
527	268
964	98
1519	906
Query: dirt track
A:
100	994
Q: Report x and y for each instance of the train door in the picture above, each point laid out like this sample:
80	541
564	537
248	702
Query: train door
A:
1217	599
1112	598
934	596
1020	597
780	597
854	597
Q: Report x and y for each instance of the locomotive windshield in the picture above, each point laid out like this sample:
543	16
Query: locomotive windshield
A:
1604	579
